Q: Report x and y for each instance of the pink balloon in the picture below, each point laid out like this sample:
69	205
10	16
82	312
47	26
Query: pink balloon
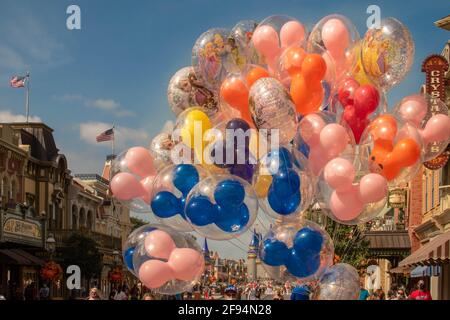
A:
414	109
334	139
335	37
125	186
339	173
186	263
291	33
266	41
147	184
140	161
155	273
159	244
346	205
317	160
372	188
310	128
437	129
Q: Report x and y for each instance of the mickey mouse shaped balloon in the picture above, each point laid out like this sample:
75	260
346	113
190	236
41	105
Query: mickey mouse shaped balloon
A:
296	251
284	183
171	188
221	207
167	261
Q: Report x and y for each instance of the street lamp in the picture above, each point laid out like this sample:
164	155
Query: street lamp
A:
116	254
51	245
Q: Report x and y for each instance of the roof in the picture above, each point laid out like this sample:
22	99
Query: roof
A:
434	252
388	240
443	23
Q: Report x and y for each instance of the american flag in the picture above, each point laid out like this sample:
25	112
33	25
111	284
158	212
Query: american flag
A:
18	81
107	135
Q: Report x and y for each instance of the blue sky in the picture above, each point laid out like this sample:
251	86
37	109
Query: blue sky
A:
117	67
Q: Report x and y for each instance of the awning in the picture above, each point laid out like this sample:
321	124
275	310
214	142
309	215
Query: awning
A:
403	269
437	251
425	271
21	257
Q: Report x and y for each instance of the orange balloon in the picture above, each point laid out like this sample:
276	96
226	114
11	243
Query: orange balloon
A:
293	59
235	92
314	67
406	152
255	74
307	97
384	127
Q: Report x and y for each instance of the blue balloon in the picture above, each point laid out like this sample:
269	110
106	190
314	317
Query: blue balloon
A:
300	293
165	205
185	177
232	219
229	193
302	265
308	240
128	258
201	211
285	183
274	253
284	205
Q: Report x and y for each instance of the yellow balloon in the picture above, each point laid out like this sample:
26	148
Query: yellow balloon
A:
195	124
358	71
262	185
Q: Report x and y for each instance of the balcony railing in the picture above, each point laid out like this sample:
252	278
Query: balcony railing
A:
104	241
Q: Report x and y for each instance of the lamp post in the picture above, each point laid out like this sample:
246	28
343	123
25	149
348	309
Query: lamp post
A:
50	244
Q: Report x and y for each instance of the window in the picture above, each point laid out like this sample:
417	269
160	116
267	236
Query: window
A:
432	190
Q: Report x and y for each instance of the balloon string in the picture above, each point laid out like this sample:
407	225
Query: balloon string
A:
355	236
243	250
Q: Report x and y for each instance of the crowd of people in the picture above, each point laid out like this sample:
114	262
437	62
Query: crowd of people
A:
397	293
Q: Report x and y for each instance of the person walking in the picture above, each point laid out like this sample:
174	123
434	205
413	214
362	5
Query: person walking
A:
93	294
44	292
363	293
121	293
420	293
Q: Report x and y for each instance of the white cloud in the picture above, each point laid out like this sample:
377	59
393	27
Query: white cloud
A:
7	116
124	137
104	104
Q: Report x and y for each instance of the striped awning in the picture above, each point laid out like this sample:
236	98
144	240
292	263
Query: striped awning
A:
435	252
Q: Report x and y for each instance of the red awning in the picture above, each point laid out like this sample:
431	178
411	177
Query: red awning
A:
437	251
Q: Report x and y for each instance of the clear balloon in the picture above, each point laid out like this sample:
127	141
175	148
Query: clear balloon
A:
430	116
339	282
273	35
387	53
170	190
296	251
243	31
185	90
350	194
284	183
135	237
167	261
392	148
215	54
272	109
339	36
161	147
321	139
221	207
132	175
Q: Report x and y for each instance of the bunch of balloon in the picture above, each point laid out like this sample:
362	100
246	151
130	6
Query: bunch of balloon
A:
350	195
296	251
360	103
430	116
392	148
339	282
284	184
231	149
321	139
167	261
132	175
170	190
221	207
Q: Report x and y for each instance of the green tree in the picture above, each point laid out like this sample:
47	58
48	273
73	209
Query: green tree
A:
349	243
83	252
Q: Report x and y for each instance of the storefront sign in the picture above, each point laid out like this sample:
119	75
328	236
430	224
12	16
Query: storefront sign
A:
22	228
397	198
435	67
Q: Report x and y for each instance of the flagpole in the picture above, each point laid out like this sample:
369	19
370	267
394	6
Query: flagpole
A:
27	96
